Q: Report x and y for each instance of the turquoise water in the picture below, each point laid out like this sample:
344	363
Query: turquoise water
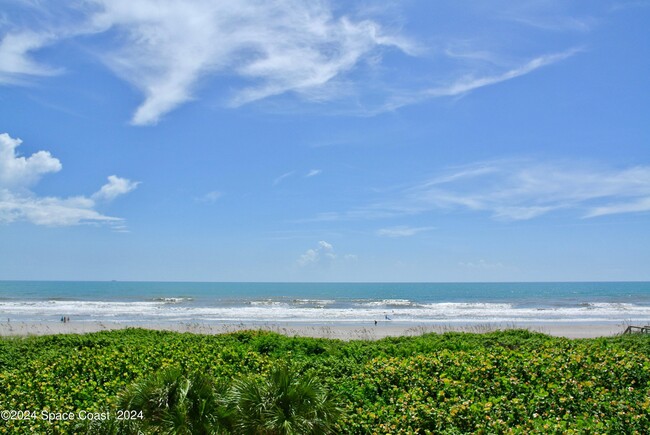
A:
422	303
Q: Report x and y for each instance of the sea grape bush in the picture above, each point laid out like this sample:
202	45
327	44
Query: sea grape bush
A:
501	382
541	390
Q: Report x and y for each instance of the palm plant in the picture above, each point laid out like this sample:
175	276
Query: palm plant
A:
282	404
175	404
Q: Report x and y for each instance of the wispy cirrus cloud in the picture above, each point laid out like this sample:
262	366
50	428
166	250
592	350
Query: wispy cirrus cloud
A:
313	173
521	190
471	82
165	48
170	51
50	211
15	60
282	177
551	16
557	23
402	231
514	190
641	204
19	203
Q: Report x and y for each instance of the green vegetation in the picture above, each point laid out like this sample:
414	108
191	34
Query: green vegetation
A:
282	403
260	382
171	402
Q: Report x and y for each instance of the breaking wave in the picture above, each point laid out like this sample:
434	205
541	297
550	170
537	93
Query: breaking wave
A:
317	311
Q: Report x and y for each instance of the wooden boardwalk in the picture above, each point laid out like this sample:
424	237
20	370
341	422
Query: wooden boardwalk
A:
637	330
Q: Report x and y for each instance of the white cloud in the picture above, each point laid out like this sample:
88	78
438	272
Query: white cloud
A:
49	211
277	47
310	257
279	179
402	231
472	82
18	171
313	173
168	50
322	254
18	203
512	190
549	16
165	48
520	190
640	205
558	24
115	187
15	60
325	246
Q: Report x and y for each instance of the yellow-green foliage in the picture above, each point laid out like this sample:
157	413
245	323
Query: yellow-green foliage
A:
512	381
557	387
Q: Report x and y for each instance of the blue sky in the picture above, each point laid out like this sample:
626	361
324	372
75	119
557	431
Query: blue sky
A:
324	141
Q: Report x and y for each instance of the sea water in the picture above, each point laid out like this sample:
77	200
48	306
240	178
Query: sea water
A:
345	303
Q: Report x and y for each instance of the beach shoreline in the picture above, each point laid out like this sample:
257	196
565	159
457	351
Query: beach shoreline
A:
342	331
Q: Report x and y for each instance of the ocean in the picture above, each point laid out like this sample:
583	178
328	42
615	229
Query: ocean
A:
325	303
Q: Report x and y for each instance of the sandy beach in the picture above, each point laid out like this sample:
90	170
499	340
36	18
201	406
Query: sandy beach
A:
335	331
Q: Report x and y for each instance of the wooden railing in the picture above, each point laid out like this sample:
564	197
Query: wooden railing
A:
637	330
